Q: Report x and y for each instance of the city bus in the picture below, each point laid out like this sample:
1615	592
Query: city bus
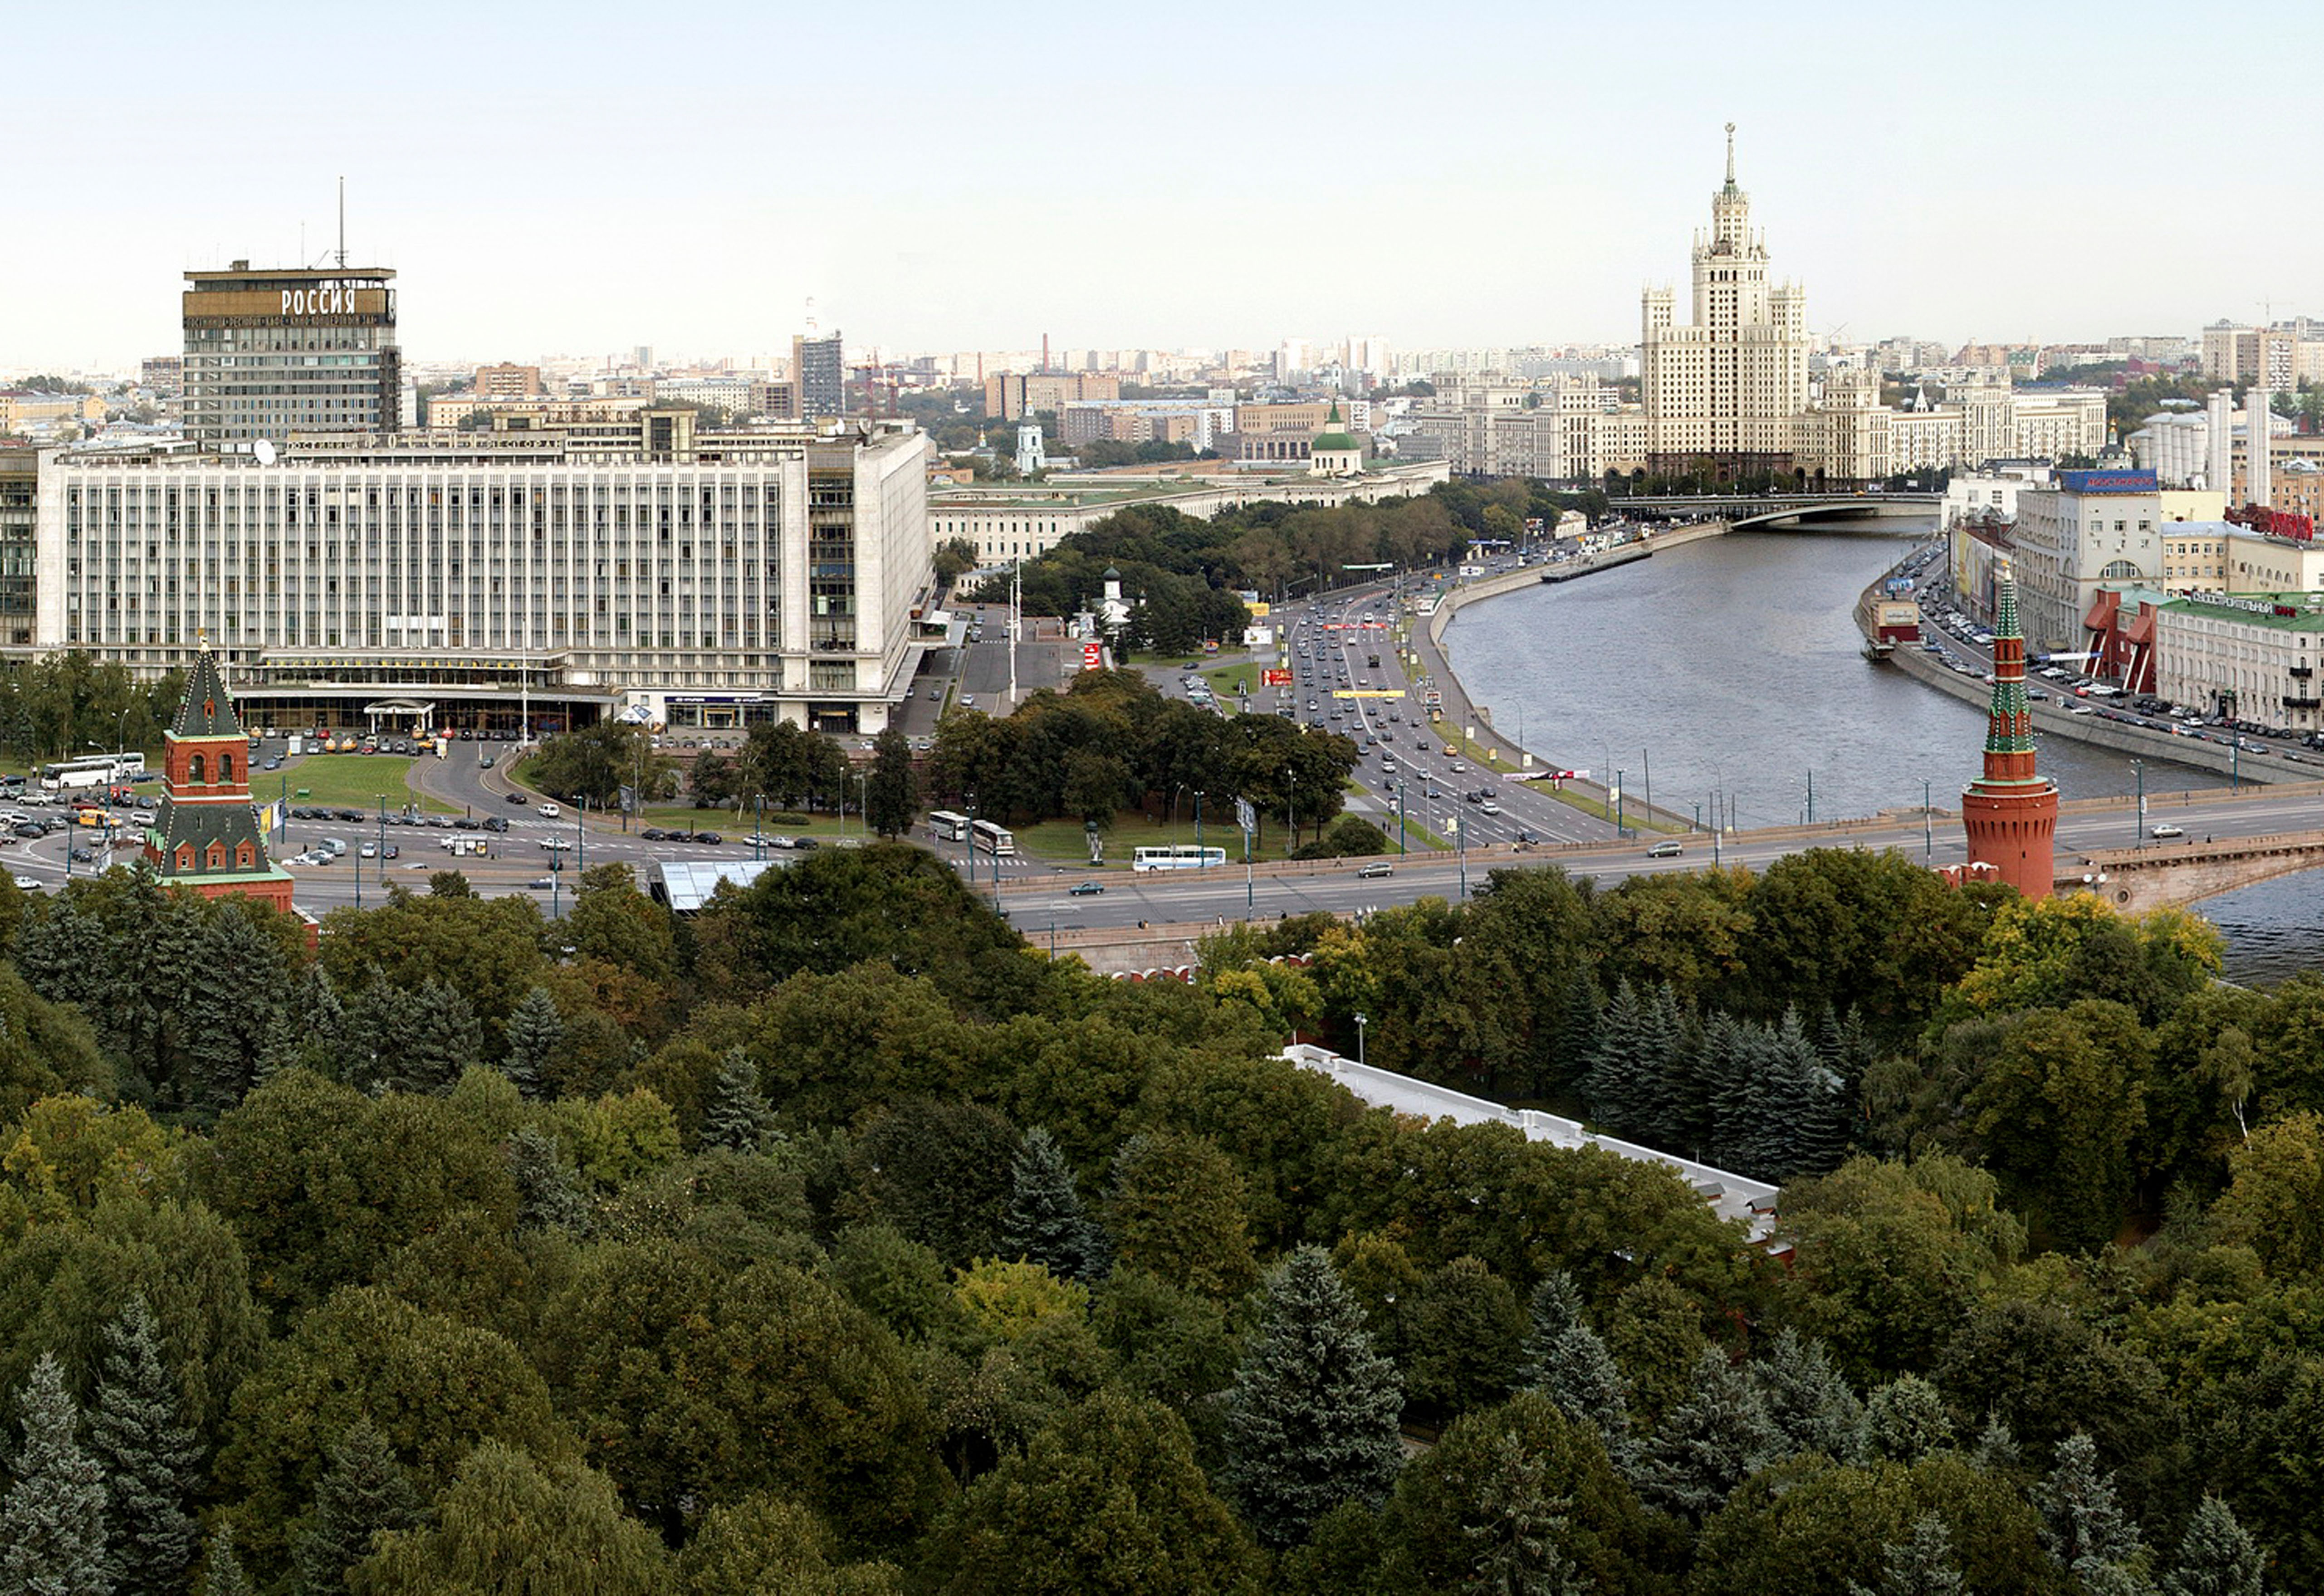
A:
101	770
945	827
996	840
1181	856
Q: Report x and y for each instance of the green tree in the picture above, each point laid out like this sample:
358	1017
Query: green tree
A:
1107	1496
766	1545
2218	1557
736	1115
597	761
614	922
892	796
1045	1222
1177	1208
2084	1527
1905	1421
508	1522
1920	1567
1711	1442
52	1520
1462	1340
222	1573
938	1172
1311	1414
1518	1536
1806	1398
536	1041
148	1457
2057	1112
364	1491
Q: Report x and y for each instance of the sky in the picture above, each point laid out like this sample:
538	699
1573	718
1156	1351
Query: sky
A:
583	177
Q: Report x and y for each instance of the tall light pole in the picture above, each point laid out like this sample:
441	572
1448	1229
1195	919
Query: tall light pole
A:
2138	825
1360	1041
1928	824
1198	827
864	803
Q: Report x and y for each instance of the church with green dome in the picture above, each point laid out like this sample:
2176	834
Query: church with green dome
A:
1335	451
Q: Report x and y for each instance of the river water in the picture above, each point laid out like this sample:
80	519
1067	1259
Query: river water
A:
1727	675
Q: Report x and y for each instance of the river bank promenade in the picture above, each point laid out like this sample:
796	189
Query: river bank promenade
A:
1461	714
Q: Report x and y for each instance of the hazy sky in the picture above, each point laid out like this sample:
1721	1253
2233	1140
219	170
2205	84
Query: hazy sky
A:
582	178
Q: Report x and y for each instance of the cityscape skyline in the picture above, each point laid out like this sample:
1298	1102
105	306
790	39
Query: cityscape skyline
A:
513	210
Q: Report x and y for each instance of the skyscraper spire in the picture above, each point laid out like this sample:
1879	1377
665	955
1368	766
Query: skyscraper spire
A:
2010	813
1730	155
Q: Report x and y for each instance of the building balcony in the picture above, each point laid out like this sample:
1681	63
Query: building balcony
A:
2302	672
2291	703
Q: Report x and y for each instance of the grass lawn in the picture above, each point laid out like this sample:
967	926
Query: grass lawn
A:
1230	682
347	781
1062	842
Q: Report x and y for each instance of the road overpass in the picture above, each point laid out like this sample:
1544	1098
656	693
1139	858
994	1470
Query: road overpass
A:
1759	511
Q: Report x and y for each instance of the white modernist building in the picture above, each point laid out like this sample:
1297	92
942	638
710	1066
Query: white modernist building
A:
2094	527
716	580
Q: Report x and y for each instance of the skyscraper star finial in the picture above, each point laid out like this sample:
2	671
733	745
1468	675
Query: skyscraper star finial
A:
1730	155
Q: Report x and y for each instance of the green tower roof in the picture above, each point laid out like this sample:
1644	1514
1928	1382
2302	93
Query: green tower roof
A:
208	708
1333	437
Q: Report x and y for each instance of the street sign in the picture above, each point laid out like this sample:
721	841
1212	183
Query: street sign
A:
1246	817
1274	677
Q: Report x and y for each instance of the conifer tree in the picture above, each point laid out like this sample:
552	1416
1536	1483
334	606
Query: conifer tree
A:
148	1457
445	1039
1905	1421
222	1573
1806	1398
737	1114
1617	1085
2218	1557
1659	1109
1046	1223
1312	1415
1554	1309
1717	1437
1516	1540
1577	1028
548	1198
1921	1565
1739	1102
53	1520
364	1490
1997	1451
2083	1526
1567	1361
536	1036
1686	1087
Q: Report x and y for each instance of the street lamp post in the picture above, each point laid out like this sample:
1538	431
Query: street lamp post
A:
1360	1041
1198	826
1619	829
864	803
2138	825
1928	824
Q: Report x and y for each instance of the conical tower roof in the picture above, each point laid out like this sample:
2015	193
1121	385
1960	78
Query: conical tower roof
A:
2009	720
208	708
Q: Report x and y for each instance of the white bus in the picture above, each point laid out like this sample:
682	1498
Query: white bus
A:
996	840
1181	856
945	827
101	770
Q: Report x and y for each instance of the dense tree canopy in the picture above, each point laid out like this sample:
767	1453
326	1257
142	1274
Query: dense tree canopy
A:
834	1241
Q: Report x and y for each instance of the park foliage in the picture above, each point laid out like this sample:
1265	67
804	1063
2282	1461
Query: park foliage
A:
832	1240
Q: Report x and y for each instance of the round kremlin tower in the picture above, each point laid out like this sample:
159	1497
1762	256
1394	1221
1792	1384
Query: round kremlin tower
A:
2010	813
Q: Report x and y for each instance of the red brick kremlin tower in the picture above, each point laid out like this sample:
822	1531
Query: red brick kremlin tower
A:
2010	813
205	834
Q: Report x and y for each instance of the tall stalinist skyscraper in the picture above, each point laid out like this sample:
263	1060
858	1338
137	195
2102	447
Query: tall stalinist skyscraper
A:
1725	388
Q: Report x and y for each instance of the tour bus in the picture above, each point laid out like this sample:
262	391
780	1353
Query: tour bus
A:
944	827
1181	856
101	770
997	841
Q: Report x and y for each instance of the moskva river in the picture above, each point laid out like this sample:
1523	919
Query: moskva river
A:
1726	675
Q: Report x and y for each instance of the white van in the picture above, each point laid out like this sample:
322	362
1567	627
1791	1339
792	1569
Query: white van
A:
333	846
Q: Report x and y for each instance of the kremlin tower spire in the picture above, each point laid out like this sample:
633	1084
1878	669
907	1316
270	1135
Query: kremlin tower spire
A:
2010	813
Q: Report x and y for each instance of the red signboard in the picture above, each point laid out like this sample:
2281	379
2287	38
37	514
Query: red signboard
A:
1093	655
1275	679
